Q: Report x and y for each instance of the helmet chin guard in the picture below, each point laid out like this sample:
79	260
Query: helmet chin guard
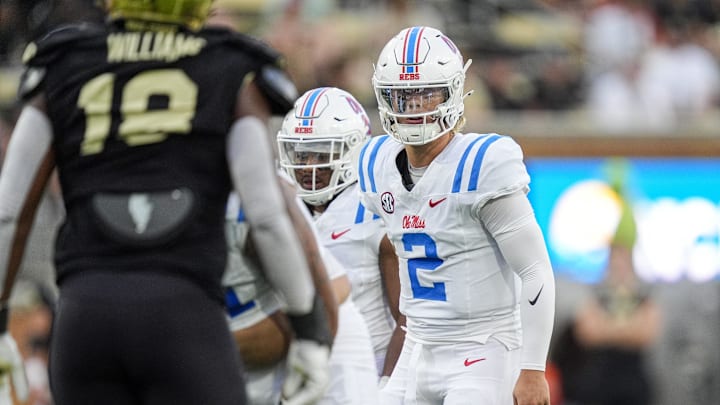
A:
418	82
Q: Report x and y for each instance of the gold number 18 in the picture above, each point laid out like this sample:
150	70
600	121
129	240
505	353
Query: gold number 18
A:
139	125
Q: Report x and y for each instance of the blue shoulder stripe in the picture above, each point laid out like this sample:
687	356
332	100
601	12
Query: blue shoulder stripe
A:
475	172
371	163
360	214
458	172
361	166
477	162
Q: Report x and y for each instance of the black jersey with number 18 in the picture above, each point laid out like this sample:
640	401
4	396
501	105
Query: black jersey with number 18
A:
140	120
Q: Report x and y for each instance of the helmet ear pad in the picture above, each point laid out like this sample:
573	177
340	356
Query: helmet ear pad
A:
420	58
330	123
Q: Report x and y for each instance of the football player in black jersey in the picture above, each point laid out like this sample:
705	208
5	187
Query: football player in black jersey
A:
150	120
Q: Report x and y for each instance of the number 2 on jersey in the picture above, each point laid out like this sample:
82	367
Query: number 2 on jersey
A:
428	263
139	125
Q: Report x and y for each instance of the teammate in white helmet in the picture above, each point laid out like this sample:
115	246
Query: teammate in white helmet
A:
318	145
477	287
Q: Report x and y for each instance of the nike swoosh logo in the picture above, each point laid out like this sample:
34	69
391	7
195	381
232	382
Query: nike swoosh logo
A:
434	203
532	302
469	362
339	234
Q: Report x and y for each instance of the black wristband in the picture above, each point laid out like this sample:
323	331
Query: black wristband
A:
3	317
314	325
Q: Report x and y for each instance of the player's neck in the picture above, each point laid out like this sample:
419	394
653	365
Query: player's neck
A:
423	155
319	209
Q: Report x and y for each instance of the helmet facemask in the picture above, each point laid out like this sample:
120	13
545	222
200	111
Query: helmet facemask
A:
320	167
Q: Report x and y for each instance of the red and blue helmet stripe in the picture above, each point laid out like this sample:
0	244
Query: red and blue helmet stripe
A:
411	49
310	105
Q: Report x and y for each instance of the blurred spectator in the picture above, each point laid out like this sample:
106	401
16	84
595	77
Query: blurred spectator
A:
69	11
509	87
558	84
241	15
20	20
602	355
686	360
685	71
616	31
699	11
294	30
24	20
623	100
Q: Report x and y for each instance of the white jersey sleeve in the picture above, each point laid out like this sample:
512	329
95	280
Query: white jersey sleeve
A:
249	297
512	223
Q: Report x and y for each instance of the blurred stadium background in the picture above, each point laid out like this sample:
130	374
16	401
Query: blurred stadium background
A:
581	85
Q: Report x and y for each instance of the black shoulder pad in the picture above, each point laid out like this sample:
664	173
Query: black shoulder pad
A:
44	51
51	46
31	82
254	46
279	89
271	77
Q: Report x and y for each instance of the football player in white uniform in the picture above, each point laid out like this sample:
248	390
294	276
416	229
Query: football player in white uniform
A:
256	313
316	144
477	286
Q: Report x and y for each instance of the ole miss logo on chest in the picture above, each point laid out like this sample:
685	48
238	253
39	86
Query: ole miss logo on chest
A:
413	222
387	201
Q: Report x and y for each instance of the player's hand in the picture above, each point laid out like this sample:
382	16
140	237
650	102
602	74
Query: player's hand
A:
531	388
12	370
308	374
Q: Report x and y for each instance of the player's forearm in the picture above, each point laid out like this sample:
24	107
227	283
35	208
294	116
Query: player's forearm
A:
28	165
388	263
512	224
537	301
253	173
301	225
394	347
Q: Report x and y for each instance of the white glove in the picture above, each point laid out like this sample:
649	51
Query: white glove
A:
11	369
308	373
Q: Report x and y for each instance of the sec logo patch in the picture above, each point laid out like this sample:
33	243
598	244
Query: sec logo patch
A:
388	202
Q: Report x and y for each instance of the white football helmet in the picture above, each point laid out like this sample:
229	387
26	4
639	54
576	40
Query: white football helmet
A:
418	81
319	142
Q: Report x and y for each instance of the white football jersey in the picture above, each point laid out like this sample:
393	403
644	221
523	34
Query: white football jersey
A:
353	235
455	283
249	297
